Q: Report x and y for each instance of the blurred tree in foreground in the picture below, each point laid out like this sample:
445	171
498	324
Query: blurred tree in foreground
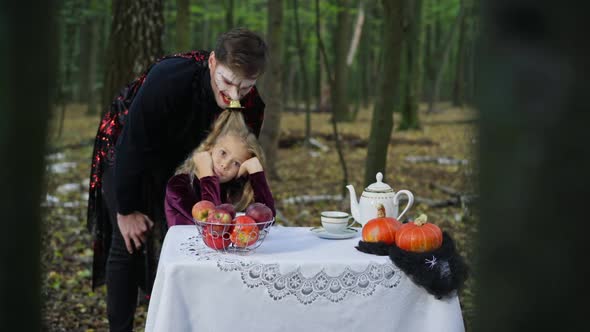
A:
28	68
534	162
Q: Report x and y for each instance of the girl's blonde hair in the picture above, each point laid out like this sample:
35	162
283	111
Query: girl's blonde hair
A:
229	122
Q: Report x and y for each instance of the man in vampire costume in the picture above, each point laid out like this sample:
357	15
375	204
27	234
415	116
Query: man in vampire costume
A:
150	128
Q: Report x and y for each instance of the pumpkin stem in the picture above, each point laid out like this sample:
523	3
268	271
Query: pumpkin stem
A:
421	220
380	210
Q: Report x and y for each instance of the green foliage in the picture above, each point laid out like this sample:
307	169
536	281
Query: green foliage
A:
444	10
208	20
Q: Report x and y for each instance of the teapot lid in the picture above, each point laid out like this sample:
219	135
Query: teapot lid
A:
379	186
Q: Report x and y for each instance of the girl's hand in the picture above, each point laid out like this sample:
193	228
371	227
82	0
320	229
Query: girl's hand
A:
250	166
203	163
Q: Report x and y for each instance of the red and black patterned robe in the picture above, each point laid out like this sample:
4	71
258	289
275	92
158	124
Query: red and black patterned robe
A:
150	128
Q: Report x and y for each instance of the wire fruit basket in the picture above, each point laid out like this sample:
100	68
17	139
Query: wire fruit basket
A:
239	238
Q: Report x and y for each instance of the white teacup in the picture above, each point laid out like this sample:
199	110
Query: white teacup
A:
336	221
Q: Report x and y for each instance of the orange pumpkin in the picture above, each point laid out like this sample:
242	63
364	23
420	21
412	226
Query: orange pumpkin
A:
381	229
419	236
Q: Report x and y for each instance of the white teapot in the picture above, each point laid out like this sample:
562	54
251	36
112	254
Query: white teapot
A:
366	208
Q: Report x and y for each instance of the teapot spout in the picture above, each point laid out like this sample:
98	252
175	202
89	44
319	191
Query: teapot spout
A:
354	205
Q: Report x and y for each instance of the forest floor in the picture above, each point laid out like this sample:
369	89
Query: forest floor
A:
436	163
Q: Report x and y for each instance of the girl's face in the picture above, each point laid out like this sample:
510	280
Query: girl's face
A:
226	84
228	154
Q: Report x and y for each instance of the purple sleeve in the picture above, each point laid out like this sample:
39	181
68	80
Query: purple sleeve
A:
210	189
261	190
181	196
179	201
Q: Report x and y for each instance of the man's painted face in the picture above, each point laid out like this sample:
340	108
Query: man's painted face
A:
226	84
228	154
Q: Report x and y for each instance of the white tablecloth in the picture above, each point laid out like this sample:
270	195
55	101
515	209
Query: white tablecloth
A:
294	281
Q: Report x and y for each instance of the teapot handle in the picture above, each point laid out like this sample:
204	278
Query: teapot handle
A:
410	201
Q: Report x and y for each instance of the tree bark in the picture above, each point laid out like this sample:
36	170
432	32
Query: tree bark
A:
358	30
413	46
340	80
89	39
269	137
333	117
229	14
318	59
66	93
306	94
534	162
85	41
446	50
135	41
25	97
427	62
92	99
459	83
364	63
382	122
183	25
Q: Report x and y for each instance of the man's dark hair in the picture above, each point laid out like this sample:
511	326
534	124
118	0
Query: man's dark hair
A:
242	51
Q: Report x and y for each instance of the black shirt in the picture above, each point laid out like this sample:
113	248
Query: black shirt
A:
168	118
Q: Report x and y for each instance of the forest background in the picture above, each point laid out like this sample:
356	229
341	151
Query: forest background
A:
354	87
356	62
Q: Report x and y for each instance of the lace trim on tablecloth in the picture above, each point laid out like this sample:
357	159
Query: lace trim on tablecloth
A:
305	289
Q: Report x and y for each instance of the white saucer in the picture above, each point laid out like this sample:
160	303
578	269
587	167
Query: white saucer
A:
347	234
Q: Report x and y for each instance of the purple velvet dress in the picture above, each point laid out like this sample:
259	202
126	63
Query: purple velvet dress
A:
181	195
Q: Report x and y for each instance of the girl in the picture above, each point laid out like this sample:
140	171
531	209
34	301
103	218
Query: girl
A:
225	168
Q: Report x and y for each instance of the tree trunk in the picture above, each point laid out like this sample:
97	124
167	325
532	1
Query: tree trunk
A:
473	29
206	30
446	50
269	137
89	43
333	117
428	63
459	83
305	81
92	99
437	28
66	93
413	46
358	30
183	25
364	64
25	97
135	41
382	122
534	162
229	14
104	24
85	40
340	79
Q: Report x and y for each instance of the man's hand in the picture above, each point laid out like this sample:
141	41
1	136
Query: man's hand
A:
250	166
134	228
203	163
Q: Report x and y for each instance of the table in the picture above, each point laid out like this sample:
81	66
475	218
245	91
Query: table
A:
294	281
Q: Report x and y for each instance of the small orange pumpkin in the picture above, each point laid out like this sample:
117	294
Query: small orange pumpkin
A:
419	236
381	229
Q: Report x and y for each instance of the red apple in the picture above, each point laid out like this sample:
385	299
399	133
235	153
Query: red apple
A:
260	213
201	210
221	218
229	208
215	240
245	232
